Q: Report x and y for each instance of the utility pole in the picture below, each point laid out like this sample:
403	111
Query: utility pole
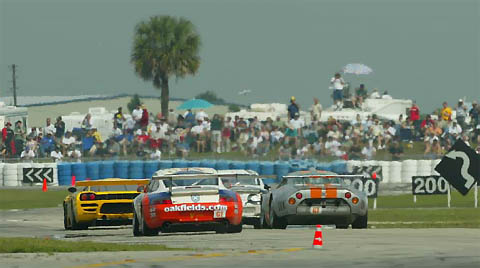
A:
14	85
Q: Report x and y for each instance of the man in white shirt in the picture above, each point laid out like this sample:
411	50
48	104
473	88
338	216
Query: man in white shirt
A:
276	135
198	129
454	130
332	146
156	155
50	128
27	154
337	83
68	139
56	155
74	153
201	115
137	114
130	125
297	124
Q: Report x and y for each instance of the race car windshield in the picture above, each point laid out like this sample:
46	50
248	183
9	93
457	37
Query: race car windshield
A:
191	182
232	182
315	181
113	188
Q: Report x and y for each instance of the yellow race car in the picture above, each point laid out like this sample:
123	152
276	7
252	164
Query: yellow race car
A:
100	203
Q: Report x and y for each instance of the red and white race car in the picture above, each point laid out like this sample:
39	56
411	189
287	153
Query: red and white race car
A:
186	199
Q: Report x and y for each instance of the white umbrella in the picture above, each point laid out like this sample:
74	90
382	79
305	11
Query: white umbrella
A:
356	68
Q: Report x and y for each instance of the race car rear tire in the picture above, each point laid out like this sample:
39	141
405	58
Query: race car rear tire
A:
360	222
263	222
277	222
234	228
136	225
65	218
77	226
341	226
147	231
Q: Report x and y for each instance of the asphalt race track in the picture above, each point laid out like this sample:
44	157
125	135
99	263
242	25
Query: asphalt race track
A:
251	248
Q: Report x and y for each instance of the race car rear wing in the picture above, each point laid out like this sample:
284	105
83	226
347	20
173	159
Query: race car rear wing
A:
107	182
323	176
206	176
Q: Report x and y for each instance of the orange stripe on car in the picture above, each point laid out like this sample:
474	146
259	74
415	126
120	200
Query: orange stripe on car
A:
331	193
315	192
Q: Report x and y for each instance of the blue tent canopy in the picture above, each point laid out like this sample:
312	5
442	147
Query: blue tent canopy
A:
195	104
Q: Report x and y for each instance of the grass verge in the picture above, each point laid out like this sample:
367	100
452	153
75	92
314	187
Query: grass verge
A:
45	245
30	198
425	218
424	201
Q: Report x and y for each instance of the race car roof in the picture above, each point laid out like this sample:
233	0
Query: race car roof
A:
237	172
111	181
318	174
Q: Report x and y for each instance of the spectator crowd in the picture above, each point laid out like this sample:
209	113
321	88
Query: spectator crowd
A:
149	136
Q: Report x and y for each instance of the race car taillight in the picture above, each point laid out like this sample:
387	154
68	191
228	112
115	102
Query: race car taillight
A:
299	195
291	201
87	197
348	195
226	199
355	200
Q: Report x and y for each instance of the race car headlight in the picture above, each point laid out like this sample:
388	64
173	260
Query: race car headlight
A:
254	198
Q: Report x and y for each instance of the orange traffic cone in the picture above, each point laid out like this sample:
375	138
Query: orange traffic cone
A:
44	187
317	239
73	180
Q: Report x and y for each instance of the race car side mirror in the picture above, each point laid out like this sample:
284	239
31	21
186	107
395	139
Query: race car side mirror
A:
72	189
266	187
141	188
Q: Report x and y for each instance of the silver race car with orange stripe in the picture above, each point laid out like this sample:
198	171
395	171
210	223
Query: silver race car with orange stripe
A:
314	197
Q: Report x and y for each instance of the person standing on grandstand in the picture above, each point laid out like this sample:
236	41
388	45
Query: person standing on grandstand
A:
144	119
338	83
216	128
50	128
446	112
292	108
137	114
475	114
415	117
461	113
59	128
8	139
118	118
316	110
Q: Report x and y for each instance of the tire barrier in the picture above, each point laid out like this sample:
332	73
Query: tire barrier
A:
12	174
179	163
238	165
79	170
281	169
120	169
222	165
65	173
164	164
135	170
107	169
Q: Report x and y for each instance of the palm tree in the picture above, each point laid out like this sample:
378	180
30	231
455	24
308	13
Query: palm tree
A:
165	47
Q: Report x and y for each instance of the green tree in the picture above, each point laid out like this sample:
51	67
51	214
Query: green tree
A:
165	47
134	102
233	108
211	97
